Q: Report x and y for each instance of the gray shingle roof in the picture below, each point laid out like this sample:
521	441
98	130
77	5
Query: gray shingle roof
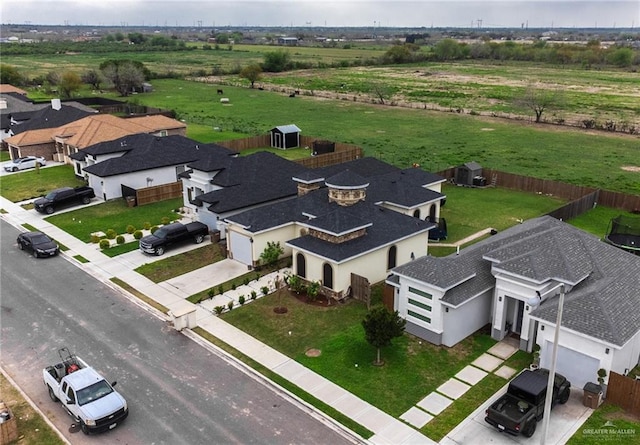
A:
145	152
603	304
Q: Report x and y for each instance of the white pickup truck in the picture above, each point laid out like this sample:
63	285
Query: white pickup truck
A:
84	394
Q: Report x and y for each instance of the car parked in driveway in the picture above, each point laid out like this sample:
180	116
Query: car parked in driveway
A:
25	163
39	244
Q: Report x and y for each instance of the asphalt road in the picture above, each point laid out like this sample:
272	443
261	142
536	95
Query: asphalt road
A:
178	391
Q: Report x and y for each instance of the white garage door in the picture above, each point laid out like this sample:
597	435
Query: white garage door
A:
241	248
579	368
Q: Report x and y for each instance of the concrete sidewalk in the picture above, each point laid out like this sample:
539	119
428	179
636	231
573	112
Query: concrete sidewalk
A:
172	294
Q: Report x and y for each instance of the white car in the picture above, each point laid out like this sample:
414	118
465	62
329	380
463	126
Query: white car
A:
25	163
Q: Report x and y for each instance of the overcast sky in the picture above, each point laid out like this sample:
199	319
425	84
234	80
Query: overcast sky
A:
335	13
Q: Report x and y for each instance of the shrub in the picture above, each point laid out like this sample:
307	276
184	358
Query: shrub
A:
120	239
146	225
265	290
130	229
111	234
221	289
105	244
245	281
230	304
241	300
137	234
233	286
95	239
254	295
211	292
154	228
165	220
218	309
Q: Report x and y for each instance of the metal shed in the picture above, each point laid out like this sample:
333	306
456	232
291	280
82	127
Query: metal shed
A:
285	136
466	173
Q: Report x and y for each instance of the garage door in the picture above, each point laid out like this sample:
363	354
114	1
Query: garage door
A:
241	248
579	368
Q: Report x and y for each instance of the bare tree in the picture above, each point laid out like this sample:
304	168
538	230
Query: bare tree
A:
381	91
539	100
124	76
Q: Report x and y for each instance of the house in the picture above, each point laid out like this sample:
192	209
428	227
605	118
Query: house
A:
215	188
140	160
342	222
285	136
497	281
61	142
288	41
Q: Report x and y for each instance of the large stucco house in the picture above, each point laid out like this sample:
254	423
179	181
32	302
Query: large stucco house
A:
510	282
119	167
362	217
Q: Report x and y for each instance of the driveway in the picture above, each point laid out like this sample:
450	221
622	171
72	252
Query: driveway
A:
565	421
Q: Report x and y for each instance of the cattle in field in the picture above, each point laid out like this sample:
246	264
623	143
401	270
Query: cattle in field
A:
220	91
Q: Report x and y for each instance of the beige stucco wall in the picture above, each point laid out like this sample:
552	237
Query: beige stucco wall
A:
373	265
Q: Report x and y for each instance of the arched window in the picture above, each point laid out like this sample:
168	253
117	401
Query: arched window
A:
391	257
327	275
432	213
416	213
302	265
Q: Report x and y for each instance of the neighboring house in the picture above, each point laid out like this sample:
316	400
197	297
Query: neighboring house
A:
61	142
343	223
495	282
288	41
140	160
216	188
285	136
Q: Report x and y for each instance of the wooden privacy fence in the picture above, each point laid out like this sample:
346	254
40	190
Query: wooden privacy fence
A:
624	392
157	193
584	197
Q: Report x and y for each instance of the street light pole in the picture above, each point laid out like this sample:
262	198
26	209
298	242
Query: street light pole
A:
552	369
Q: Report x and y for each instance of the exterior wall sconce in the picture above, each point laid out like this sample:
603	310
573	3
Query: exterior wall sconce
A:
446	309
500	298
606	351
251	240
542	328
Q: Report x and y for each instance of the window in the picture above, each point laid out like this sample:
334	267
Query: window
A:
391	257
421	293
327	275
416	213
418	316
426	307
302	265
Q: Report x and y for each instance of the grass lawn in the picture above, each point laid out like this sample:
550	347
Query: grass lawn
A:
177	265
32	428
596	430
37	182
114	215
346	358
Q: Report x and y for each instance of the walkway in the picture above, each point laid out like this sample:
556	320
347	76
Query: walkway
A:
172	294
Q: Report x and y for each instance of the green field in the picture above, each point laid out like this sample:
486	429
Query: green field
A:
404	136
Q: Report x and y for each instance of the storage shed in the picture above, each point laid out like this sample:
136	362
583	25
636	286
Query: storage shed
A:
466	173
285	136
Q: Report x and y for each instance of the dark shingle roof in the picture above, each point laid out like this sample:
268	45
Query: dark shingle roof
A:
48	117
145	152
603	304
252	180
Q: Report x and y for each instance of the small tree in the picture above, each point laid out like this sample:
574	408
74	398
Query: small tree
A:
271	253
539	100
69	83
252	73
380	327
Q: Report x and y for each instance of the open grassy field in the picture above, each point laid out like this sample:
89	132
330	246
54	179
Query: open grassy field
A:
190	62
404	136
482	88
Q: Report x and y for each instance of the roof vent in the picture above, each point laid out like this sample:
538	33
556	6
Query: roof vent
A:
56	104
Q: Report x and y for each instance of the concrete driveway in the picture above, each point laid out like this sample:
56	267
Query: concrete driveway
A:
565	421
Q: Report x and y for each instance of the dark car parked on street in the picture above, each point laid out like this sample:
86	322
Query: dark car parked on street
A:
38	243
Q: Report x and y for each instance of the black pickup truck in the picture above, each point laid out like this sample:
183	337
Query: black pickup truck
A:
156	243
63	197
520	409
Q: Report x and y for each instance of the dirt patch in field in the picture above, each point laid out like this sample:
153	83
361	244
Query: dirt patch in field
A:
313	352
631	168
